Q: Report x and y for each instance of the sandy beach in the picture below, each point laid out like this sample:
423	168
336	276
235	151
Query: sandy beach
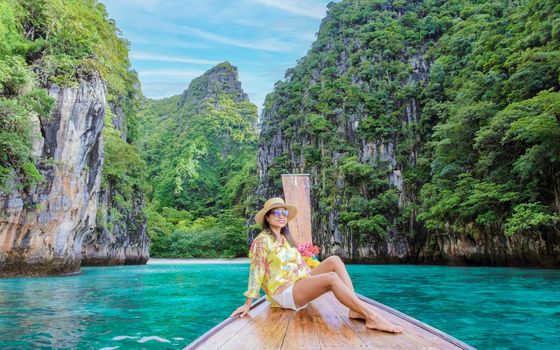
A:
158	261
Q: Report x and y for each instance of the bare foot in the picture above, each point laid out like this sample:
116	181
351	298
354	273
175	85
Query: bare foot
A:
381	324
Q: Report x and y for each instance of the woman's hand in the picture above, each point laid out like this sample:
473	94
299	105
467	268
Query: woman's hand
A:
243	309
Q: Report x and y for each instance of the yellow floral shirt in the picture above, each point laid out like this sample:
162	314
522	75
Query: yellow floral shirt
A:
274	267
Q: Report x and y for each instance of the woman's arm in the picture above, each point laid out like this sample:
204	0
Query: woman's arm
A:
257	257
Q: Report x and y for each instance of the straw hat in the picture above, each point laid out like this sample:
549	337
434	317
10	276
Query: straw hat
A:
272	203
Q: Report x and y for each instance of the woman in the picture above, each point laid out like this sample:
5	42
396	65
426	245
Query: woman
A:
277	267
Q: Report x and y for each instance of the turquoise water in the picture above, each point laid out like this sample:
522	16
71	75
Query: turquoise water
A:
168	306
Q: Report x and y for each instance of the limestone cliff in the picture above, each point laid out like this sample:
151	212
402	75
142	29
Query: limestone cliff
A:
196	144
42	229
358	113
68	168
220	79
120	236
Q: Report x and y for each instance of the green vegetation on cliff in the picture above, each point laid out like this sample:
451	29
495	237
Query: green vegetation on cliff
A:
414	118
200	150
50	42
435	115
67	43
495	151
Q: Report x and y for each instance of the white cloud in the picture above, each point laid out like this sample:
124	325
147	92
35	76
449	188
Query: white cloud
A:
162	89
165	85
296	7
155	41
269	44
176	73
296	28
143	56
146	5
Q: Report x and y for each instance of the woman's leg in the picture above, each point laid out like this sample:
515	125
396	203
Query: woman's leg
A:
334	264
310	288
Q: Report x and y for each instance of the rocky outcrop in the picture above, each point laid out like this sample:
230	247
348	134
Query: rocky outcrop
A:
346	100
120	235
220	79
42	229
522	249
280	151
69	220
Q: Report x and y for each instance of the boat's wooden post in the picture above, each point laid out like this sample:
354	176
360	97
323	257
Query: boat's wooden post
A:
296	193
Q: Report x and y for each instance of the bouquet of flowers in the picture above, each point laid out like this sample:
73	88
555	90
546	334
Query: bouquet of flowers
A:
309	253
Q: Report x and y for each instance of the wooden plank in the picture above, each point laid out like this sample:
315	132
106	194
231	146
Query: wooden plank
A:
324	325
423	329
266	331
225	330
302	331
378	339
333	332
296	193
373	338
412	335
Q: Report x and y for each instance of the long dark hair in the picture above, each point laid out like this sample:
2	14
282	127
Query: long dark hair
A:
284	230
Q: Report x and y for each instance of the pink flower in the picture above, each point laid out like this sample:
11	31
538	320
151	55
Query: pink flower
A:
308	249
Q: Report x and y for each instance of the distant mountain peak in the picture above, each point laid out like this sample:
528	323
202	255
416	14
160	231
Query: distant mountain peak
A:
222	79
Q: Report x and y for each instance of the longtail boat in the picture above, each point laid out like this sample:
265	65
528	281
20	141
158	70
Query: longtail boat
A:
324	323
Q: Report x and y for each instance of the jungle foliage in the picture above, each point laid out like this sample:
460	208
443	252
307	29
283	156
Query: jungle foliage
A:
44	42
200	160
460	98
55	42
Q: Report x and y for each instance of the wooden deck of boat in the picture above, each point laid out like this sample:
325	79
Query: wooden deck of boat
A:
324	324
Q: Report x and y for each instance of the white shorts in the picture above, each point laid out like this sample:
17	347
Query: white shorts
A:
286	299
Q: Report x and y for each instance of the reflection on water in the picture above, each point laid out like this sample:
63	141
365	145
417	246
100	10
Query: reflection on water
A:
168	306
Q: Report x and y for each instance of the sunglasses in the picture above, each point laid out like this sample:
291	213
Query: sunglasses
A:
279	212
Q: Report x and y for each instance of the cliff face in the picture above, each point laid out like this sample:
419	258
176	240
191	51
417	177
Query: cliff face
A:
222	79
522	249
70	220
319	141
120	236
200	150
67	164
195	144
358	113
42	230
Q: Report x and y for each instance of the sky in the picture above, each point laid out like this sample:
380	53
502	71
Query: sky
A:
172	42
